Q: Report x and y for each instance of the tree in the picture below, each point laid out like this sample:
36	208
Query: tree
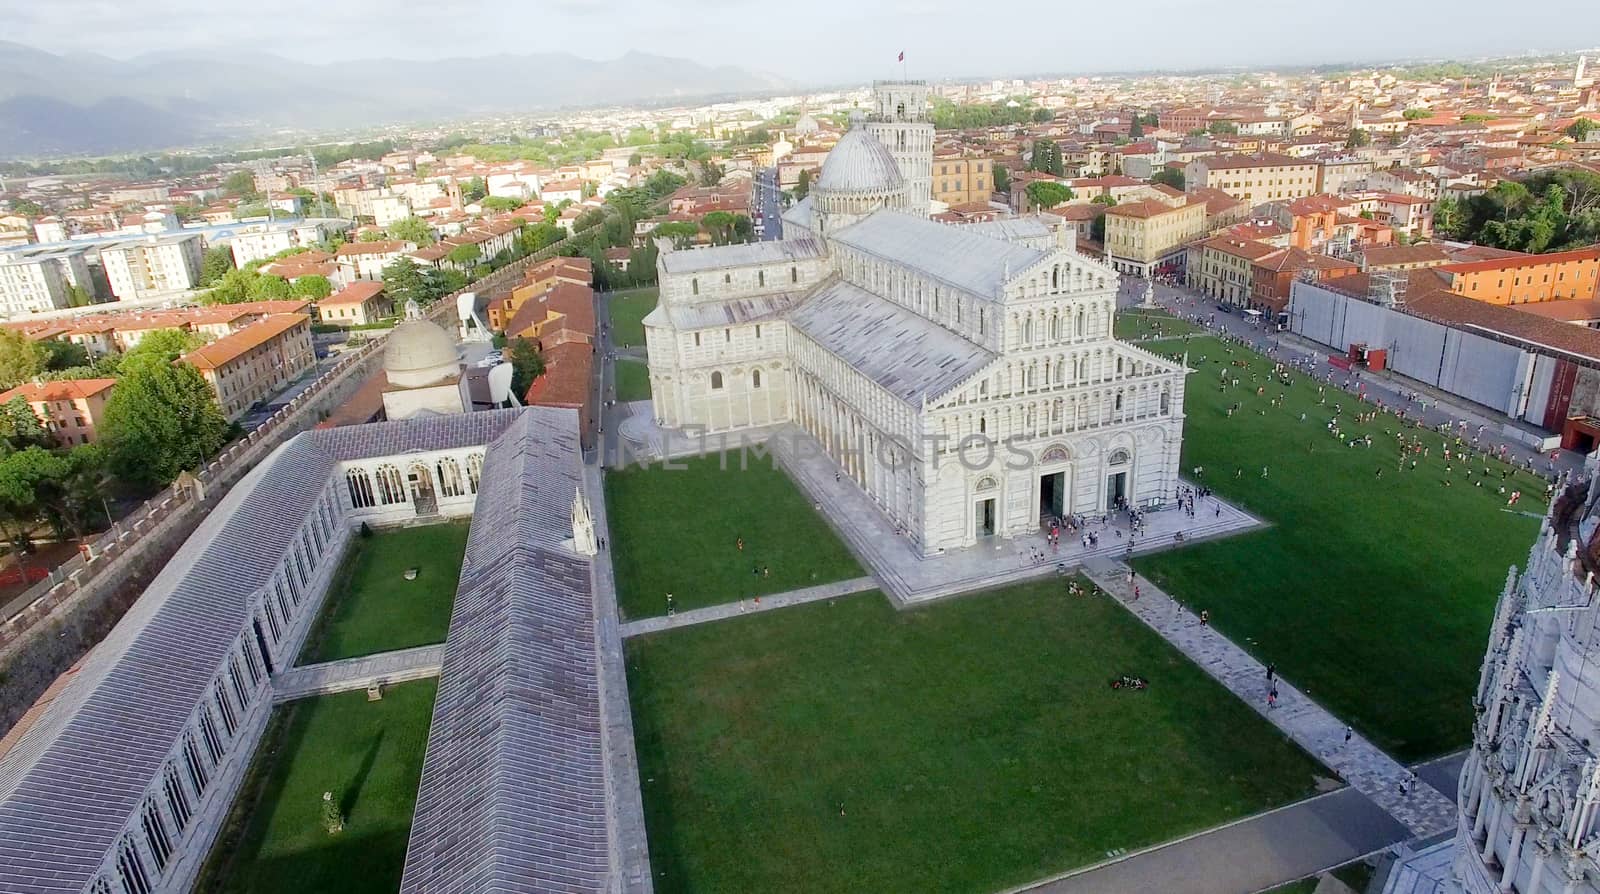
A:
24	476
710	173
410	229
240	183
1357	139
1216	127
1097	228
1136	129
720	226
681	232
802	184
1046	194
1002	179
500	203
635	160
215	264
20	358
58	354
1105	199
526	362
26	208
1172	177
1414	114
72	496
402	279
313	286
474	190
78	296
162	418
465	254
160	347
1046	158
269	288
1579	129
1042	116
20	427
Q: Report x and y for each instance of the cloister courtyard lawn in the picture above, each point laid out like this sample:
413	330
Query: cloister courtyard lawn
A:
628	310
1132	324
369	754
967	746
676	530
632	380
1373	593
372	608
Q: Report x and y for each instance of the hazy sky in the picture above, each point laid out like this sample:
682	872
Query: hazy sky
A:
820	41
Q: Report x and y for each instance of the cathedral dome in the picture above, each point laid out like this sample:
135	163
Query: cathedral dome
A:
419	353
858	164
806	126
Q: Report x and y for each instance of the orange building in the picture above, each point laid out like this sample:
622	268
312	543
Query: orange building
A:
537	280
1525	279
255	362
70	409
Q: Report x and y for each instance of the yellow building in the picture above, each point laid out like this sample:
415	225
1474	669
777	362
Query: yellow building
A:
962	179
1142	236
255	362
1256	179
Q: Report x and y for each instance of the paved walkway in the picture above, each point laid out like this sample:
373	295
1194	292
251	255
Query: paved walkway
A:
357	673
1368	769
626	803
1257	852
909	577
749	607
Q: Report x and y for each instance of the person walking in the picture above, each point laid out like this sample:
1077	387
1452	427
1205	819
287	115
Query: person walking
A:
1348	732
670	609
1272	671
1205	618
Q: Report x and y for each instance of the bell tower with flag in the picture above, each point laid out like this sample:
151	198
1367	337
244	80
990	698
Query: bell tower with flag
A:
899	120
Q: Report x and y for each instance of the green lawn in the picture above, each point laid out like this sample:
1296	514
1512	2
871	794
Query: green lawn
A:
372	608
632	380
1132	324
1373	593
369	754
974	744
628	310
676	530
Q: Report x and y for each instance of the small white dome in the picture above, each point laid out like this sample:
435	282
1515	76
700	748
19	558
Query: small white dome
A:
806	126
859	163
420	353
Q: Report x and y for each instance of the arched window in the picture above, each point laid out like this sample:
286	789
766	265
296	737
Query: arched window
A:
450	483
1027	330
1119	458
1119	366
983	424
1080	322
761	277
755	378
360	488
794	274
1055	277
694	285
1166	401
716	381
474	471
1119	400
391	486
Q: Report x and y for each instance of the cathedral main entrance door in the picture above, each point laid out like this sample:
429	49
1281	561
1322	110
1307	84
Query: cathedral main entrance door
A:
1052	496
1116	489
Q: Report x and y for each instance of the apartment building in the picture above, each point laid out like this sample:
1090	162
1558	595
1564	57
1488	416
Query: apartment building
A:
1255	179
40	279
366	260
259	243
70	410
1144	236
1527	279
358	304
1222	267
139	268
255	362
960	179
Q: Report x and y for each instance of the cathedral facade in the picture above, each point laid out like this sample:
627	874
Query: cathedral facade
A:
965	377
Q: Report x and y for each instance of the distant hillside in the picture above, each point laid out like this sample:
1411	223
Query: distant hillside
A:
51	103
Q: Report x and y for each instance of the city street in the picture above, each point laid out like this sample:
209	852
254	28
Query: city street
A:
769	202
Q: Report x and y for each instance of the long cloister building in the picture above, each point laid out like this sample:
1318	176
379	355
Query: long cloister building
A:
964	376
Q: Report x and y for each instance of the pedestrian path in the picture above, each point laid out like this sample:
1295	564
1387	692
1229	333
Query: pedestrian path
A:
749	607
1422	809
383	668
1258	852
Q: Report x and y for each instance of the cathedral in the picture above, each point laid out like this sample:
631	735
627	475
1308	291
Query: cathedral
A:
965	377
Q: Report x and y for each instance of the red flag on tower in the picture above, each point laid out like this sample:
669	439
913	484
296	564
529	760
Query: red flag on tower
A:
902	56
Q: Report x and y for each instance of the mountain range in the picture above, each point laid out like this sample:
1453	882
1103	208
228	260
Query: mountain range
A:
87	103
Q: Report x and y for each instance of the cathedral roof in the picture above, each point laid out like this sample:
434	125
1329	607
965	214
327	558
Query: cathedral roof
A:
717	257
957	255
908	355
731	312
859	163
